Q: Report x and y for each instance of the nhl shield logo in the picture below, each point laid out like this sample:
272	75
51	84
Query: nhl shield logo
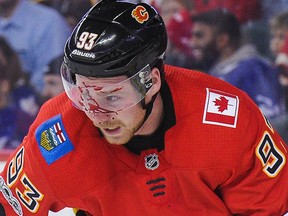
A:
152	161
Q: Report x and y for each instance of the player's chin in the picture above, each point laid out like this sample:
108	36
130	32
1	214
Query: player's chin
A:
119	139
116	140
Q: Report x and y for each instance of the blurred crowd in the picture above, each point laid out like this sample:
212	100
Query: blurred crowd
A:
242	42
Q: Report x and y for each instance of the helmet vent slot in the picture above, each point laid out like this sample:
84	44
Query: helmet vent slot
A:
111	56
122	63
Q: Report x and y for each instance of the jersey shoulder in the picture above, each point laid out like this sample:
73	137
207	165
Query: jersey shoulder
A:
213	119
199	90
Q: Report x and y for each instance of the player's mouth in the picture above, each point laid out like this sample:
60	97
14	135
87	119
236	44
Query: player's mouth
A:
112	131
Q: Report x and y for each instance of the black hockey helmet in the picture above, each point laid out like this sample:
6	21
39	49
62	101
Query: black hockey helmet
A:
116	38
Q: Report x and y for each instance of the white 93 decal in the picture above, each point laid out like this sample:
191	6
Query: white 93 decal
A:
86	40
270	156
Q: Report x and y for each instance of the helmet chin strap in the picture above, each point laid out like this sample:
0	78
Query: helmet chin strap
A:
148	107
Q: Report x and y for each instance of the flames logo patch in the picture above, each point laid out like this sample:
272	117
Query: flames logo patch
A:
140	14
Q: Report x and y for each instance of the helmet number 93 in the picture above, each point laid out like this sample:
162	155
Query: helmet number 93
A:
86	40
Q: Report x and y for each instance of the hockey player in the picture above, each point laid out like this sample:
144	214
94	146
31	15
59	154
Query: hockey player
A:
134	137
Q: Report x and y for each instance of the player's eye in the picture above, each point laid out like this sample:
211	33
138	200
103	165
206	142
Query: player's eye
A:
112	98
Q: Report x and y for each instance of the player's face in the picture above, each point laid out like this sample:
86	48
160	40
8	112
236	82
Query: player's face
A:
203	42
118	127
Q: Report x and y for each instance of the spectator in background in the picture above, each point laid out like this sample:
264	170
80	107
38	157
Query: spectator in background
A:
169	9
248	13
245	11
52	80
36	32
18	100
281	62
278	30
72	10
271	8
281	123
279	49
178	23
216	39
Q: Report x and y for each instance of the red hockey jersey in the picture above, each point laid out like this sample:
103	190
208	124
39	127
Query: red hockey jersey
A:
221	158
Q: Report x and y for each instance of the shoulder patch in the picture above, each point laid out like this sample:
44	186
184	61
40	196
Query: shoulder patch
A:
221	108
53	140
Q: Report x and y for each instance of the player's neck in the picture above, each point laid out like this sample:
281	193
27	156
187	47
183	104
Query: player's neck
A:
155	118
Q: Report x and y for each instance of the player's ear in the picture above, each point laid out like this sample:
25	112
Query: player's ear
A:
156	80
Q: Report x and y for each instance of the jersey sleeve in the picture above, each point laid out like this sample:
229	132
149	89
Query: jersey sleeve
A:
260	186
24	185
